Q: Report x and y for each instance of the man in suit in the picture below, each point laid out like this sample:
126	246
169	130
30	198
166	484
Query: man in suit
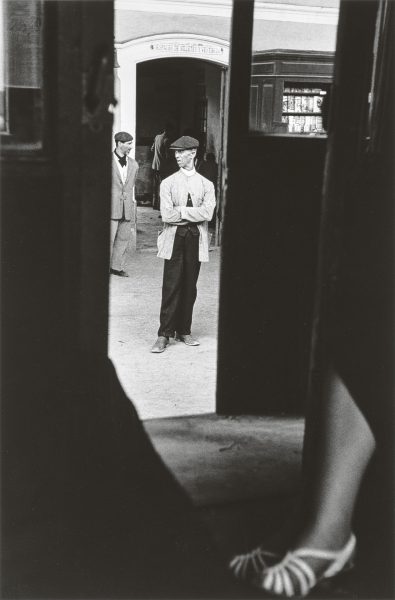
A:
123	205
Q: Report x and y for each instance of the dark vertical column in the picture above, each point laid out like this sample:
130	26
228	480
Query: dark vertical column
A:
236	123
268	252
85	50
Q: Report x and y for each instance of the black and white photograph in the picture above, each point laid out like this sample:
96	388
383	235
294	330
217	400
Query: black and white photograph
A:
197	299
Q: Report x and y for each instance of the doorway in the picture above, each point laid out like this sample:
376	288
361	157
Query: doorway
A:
186	94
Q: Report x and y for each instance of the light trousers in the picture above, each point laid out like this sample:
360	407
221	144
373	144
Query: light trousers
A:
120	236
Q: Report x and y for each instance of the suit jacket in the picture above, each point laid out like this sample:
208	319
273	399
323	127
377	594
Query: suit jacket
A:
122	193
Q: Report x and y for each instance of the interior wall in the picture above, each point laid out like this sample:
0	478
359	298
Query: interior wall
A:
189	75
157	101
158	98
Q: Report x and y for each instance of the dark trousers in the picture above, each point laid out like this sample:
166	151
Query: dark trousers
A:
157	178
180	276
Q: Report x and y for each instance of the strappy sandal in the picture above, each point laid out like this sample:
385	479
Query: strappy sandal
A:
293	576
251	564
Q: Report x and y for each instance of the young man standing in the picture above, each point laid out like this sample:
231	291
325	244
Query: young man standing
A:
123	206
187	202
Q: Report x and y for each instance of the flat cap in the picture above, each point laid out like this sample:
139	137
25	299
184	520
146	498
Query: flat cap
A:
123	136
185	143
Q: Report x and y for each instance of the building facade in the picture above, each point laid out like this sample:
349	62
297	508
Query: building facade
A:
173	59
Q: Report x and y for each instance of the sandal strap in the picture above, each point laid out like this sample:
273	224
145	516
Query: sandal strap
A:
287	583
258	560
292	576
255	558
278	578
332	555
313	553
303	583
304	568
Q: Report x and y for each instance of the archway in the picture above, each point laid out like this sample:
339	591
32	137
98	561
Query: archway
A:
175	45
193	60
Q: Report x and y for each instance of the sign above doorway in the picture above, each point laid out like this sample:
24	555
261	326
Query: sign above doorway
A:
182	47
172	46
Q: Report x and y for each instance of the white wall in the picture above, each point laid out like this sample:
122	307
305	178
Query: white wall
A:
274	35
299	25
130	25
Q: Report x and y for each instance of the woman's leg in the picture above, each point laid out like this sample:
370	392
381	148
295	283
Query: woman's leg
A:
344	446
338	455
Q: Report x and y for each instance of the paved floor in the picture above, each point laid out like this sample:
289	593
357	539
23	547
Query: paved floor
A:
218	459
180	381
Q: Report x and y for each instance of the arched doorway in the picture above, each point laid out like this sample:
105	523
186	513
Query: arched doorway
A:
185	93
175	78
133	52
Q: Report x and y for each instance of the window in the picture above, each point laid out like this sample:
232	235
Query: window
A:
292	61
287	89
21	74
302	109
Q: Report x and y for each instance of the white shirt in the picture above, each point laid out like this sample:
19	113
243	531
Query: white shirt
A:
189	172
122	169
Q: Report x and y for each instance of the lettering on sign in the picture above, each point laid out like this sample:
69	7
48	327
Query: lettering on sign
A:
188	47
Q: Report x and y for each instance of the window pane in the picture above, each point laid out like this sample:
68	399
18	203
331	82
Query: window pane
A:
292	65
21	74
